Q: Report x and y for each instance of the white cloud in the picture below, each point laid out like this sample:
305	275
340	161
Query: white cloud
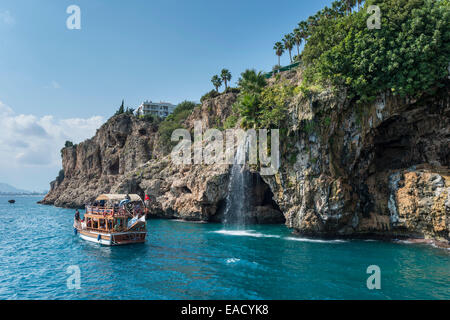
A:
30	141
7	18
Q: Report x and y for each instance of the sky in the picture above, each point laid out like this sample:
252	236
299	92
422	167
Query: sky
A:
58	84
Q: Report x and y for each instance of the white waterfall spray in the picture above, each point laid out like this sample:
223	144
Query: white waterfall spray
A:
237	201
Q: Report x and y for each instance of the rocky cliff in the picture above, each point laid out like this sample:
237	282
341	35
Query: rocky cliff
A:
379	169
95	165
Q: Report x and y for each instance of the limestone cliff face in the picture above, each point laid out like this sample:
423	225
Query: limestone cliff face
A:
380	169
95	165
196	192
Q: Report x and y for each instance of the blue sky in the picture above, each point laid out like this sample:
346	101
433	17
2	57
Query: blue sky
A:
58	84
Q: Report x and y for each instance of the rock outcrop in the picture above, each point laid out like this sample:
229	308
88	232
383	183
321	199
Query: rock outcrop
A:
95	165
125	157
347	170
374	170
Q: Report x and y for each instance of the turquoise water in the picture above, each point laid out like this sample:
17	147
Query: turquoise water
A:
203	261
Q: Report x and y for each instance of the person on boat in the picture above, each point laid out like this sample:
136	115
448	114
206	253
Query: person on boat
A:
137	210
146	203
77	215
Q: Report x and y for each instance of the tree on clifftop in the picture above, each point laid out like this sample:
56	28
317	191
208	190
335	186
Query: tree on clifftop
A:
217	82
289	44
226	76
298	38
252	82
121	109
279	50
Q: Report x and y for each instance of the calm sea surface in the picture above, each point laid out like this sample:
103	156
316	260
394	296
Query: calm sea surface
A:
205	261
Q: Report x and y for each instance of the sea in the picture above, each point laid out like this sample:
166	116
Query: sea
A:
42	258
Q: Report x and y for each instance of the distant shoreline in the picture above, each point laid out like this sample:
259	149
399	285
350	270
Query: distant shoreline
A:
22	194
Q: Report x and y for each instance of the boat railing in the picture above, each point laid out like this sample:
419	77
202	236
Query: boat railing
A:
106	211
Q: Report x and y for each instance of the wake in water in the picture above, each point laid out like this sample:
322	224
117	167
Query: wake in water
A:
252	233
315	240
245	233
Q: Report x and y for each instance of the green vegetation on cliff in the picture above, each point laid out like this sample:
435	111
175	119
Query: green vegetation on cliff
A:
175	121
408	55
122	110
262	106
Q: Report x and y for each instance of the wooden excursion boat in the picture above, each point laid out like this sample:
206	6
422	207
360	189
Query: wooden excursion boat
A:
113	219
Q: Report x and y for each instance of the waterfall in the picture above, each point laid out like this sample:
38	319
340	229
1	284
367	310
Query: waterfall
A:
237	200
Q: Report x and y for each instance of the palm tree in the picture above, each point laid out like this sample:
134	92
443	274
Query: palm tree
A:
349	5
338	8
226	76
252	82
248	107
279	50
359	4
298	37
288	44
327	12
313	21
304	29
217	82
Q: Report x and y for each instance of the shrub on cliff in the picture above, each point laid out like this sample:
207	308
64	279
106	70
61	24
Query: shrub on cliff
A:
251	81
261	106
273	105
209	95
68	144
183	106
269	111
232	90
150	118
174	121
408	55
122	110
60	176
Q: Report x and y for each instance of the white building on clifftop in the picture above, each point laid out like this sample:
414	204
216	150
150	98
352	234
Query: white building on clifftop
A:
162	109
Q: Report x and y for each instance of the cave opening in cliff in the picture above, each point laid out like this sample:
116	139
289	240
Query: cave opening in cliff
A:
114	167
417	138
259	206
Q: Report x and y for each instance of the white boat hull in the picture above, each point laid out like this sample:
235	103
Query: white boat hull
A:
101	241
109	239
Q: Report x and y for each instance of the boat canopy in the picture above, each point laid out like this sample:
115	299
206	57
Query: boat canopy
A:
118	197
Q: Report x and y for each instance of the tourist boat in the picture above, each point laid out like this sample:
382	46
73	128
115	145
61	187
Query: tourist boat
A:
12	201
114	219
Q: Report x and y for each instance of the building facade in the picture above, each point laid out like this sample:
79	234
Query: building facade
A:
161	109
